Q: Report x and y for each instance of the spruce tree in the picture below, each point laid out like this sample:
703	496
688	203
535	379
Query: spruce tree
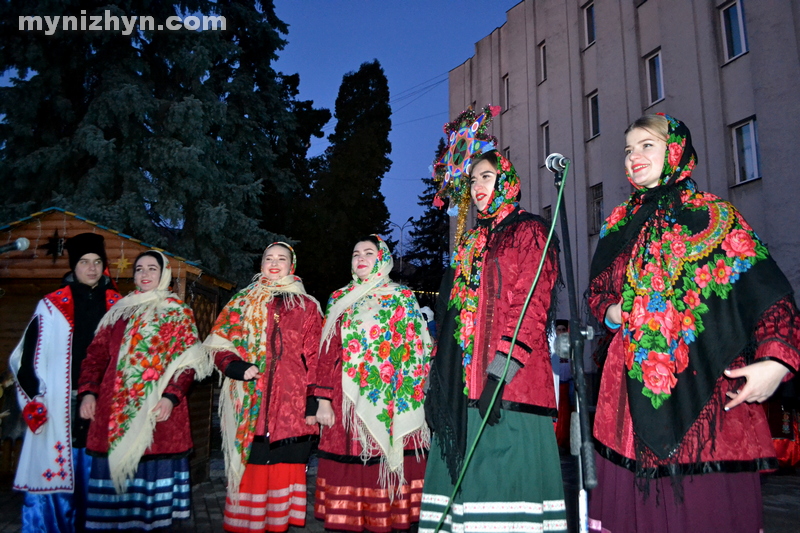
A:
169	136
430	239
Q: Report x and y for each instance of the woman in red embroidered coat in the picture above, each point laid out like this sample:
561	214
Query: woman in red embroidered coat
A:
514	477
373	363
265	343
705	326
133	385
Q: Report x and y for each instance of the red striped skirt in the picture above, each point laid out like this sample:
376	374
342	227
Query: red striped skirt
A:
349	497
271	498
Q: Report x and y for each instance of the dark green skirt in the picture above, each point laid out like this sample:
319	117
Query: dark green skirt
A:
513	482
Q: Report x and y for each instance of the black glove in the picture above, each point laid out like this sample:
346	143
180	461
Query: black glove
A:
311	406
492	384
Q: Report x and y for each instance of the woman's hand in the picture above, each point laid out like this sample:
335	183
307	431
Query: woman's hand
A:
325	414
88	406
163	409
763	377
311	420
614	313
251	373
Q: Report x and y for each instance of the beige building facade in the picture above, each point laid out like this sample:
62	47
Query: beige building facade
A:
571	75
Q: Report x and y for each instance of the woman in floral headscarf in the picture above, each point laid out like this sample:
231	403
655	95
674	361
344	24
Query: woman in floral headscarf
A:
373	364
513	481
265	342
704	325
133	384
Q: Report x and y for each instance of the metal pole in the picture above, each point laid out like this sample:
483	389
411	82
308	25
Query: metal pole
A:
587	472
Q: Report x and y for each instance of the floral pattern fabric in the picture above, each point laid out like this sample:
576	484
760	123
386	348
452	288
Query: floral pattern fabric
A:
385	354
696	281
385	362
669	281
153	346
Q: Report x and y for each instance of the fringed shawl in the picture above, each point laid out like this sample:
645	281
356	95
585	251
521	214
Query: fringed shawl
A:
160	342
697	281
385	361
241	329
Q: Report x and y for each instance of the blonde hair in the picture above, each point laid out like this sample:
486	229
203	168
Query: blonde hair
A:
655	124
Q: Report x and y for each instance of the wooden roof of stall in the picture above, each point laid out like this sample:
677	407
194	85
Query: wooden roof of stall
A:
46	257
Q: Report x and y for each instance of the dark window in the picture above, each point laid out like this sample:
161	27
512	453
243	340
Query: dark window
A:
595	208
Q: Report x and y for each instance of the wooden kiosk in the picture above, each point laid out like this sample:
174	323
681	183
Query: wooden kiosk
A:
26	276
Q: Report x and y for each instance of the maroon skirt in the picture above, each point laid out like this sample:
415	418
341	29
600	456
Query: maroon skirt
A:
349	497
710	503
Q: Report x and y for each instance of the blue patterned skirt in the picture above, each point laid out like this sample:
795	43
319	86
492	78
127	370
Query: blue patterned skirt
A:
159	493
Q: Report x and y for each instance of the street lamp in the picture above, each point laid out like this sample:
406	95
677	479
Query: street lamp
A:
402	250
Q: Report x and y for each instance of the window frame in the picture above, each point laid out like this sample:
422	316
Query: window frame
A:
592	110
542	48
506	88
728	54
596	215
547	214
756	159
544	130
649	75
507	152
589	17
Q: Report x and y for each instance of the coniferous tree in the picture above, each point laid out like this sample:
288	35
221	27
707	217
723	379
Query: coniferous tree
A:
167	135
430	239
345	201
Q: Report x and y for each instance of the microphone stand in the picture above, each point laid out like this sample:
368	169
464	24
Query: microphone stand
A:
580	433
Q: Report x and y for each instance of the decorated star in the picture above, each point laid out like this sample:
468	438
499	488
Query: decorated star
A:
54	246
121	264
466	140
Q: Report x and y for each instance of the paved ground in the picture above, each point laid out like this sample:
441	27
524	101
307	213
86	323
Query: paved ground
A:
781	502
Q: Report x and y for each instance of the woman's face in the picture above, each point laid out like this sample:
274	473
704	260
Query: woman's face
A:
146	273
644	157
277	263
365	254
481	183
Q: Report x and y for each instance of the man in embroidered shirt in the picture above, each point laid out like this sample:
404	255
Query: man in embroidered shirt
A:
53	466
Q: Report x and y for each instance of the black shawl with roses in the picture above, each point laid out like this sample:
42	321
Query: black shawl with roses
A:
697	281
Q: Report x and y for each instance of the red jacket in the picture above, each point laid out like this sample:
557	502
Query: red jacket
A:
741	434
172	436
295	370
510	262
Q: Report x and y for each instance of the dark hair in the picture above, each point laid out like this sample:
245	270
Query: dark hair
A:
369	238
490	156
150	253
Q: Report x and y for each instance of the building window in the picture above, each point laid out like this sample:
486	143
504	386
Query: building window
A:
545	141
547	215
595	208
594	114
542	62
745	142
507	152
655	83
588	23
733	30
506	93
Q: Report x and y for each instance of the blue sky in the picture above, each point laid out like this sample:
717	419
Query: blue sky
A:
417	42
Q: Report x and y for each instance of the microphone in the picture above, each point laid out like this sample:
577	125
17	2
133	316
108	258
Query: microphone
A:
20	244
556	163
